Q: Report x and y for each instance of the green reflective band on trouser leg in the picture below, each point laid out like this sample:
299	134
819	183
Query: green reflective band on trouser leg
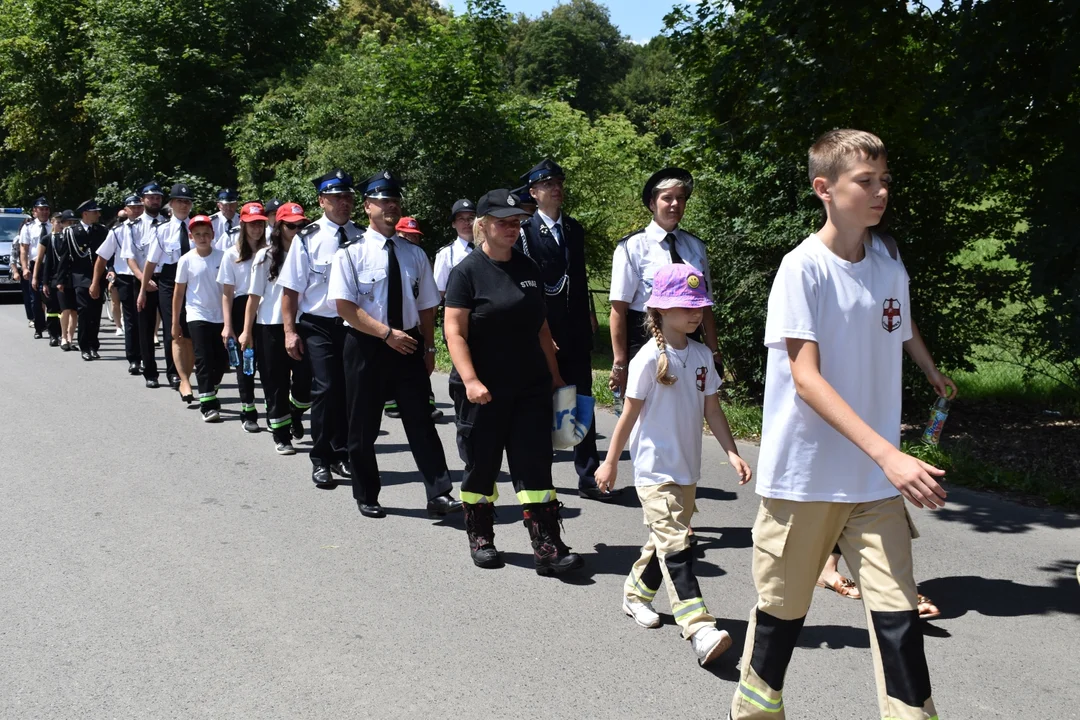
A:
299	405
52	315
688	609
471	498
644	592
757	698
208	398
247	408
276	423
390	405
526	497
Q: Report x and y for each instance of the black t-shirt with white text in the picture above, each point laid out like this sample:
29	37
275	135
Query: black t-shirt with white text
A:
507	310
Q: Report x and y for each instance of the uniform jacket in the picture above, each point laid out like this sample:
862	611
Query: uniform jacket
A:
81	252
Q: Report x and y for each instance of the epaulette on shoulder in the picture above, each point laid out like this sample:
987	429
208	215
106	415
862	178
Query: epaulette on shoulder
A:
308	230
447	246
692	235
234	230
630	235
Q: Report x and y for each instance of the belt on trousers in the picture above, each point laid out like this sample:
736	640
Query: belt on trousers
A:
322	321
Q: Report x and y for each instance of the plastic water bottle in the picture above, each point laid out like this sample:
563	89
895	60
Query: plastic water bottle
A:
249	361
938	414
617	394
234	353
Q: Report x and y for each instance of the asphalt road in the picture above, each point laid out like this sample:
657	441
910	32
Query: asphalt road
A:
156	567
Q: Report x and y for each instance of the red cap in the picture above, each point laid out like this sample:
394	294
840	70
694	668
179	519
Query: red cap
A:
251	212
290	212
408	224
199	220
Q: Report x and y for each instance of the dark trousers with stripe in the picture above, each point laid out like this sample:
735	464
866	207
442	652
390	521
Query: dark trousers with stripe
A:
128	289
244	383
324	343
166	282
375	372
286	383
89	311
211	360
146	322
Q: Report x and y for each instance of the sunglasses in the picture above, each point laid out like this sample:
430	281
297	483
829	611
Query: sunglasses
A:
295	225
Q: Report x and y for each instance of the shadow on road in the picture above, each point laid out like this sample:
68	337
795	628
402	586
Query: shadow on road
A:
996	597
988	513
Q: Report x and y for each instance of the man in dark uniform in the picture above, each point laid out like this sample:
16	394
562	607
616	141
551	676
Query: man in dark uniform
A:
47	271
556	242
313	330
84	239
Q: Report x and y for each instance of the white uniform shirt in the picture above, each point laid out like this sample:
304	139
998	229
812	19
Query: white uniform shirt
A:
202	297
111	248
637	259
237	274
269	312
135	240
226	240
222	226
307	266
359	275
164	248
30	236
859	316
447	258
665	442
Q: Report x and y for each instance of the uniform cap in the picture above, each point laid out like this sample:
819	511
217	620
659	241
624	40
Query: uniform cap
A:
227	195
383	186
408	224
88	206
133	201
522	195
665	174
543	170
180	191
678	286
461	206
499	203
41	202
252	212
151	188
67	215
335	182
271	207
290	212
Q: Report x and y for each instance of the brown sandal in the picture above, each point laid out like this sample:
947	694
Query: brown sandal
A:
927	609
844	587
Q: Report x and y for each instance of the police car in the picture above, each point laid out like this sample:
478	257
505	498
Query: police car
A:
11	222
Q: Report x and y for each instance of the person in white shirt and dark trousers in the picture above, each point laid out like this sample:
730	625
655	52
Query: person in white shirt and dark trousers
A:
112	249
385	291
313	329
30	236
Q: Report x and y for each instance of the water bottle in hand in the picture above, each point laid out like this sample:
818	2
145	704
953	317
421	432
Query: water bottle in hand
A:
234	353
249	361
617	405
938	414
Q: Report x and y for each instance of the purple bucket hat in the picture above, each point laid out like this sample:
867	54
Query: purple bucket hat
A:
678	286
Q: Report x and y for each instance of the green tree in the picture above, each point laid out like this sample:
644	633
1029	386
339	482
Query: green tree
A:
388	18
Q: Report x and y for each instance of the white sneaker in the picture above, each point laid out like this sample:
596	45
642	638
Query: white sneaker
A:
211	416
119	332
285	448
709	644
642	612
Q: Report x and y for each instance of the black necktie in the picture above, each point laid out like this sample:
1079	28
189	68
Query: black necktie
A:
43	233
471	246
342	238
670	240
393	290
185	246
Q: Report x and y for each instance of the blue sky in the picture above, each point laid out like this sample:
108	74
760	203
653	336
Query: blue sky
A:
640	19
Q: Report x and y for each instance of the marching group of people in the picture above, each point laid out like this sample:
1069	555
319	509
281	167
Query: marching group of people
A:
339	322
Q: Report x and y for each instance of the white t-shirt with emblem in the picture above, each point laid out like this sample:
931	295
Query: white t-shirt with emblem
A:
237	274
269	312
859	315
665	443
202	297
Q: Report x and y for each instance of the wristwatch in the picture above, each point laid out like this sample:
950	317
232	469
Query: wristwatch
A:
432	350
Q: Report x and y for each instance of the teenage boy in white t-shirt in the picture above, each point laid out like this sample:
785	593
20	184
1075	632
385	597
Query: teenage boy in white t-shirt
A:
830	470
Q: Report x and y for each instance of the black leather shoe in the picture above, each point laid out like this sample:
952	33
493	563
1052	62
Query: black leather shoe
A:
95	354
37	336
441	505
152	383
371	511
174	383
595	493
322	478
54	342
86	355
134	369
344	469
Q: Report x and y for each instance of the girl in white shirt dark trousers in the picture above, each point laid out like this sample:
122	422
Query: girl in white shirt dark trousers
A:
672	386
235	279
286	382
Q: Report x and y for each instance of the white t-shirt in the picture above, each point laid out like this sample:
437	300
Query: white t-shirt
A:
203	295
237	274
858	314
269	312
665	443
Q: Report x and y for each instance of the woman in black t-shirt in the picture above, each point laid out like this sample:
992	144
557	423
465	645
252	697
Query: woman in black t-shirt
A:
504	372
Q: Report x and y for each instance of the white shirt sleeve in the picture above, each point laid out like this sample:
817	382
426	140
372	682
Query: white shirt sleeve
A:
155	252
624	281
294	271
127	250
259	273
342	284
182	269
442	267
641	375
227	271
793	302
108	248
429	292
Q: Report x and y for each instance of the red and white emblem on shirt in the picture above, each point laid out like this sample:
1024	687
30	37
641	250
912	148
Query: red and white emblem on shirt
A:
701	374
890	315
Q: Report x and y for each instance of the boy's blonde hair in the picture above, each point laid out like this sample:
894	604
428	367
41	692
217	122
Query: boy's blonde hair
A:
653	320
834	152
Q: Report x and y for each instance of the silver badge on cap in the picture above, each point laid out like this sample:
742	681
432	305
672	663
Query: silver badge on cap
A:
340	175
386	174
511	201
465	204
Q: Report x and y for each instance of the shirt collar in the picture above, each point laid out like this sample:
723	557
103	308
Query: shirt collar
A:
657	234
84	226
372	234
548	221
463	243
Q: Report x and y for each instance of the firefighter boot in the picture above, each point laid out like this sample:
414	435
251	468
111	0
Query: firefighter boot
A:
550	554
480	527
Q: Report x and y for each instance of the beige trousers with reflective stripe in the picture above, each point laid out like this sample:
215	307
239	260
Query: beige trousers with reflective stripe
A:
667	510
791	543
